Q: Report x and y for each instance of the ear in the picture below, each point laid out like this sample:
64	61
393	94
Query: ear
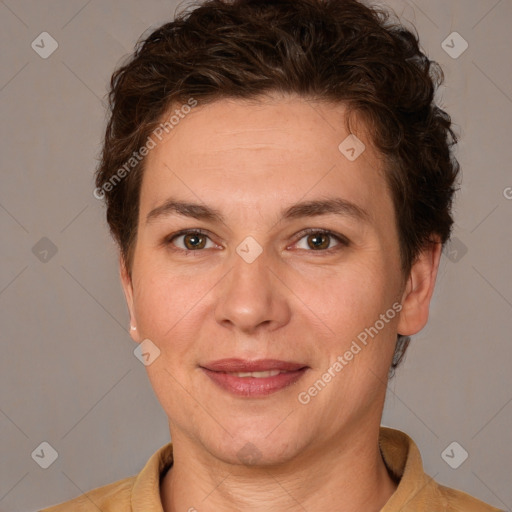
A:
419	289
126	282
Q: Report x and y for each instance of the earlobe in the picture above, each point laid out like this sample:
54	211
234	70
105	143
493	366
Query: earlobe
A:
126	282
419	290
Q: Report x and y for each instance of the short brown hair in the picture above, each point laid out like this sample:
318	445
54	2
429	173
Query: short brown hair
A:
333	50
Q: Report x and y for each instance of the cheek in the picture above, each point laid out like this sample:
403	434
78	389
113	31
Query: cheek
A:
166	303
348	298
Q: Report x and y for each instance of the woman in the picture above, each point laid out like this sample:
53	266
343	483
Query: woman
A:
279	181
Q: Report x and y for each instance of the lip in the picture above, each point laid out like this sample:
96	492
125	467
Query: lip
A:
221	373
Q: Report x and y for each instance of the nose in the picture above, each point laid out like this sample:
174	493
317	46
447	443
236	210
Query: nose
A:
251	297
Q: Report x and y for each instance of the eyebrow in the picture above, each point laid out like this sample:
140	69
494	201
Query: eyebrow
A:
337	206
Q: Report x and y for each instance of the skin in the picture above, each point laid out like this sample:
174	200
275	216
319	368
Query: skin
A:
249	160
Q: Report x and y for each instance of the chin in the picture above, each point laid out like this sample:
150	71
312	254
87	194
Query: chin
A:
258	445
256	454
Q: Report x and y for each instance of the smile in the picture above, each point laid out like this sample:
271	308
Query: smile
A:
253	379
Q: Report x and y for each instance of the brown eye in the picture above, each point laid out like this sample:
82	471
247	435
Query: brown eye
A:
194	241
318	241
321	241
190	241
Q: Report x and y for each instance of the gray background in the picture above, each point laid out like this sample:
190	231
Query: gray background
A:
68	375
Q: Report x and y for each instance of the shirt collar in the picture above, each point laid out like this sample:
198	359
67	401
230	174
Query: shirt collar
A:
146	488
416	491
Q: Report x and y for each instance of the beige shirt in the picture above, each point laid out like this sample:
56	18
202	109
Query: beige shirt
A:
416	492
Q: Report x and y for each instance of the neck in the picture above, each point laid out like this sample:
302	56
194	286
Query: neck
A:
349	474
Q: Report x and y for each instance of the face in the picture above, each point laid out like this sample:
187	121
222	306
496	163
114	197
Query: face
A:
263	257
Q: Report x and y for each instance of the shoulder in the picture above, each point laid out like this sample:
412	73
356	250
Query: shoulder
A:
416	490
109	498
458	501
142	490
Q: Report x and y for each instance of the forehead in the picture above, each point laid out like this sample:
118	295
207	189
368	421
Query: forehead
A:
248	153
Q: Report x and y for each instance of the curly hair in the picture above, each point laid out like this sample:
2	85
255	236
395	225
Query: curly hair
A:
332	50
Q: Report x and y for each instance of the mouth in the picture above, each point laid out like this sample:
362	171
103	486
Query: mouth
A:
253	378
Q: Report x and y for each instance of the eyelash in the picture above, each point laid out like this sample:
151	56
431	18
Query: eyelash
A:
342	241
